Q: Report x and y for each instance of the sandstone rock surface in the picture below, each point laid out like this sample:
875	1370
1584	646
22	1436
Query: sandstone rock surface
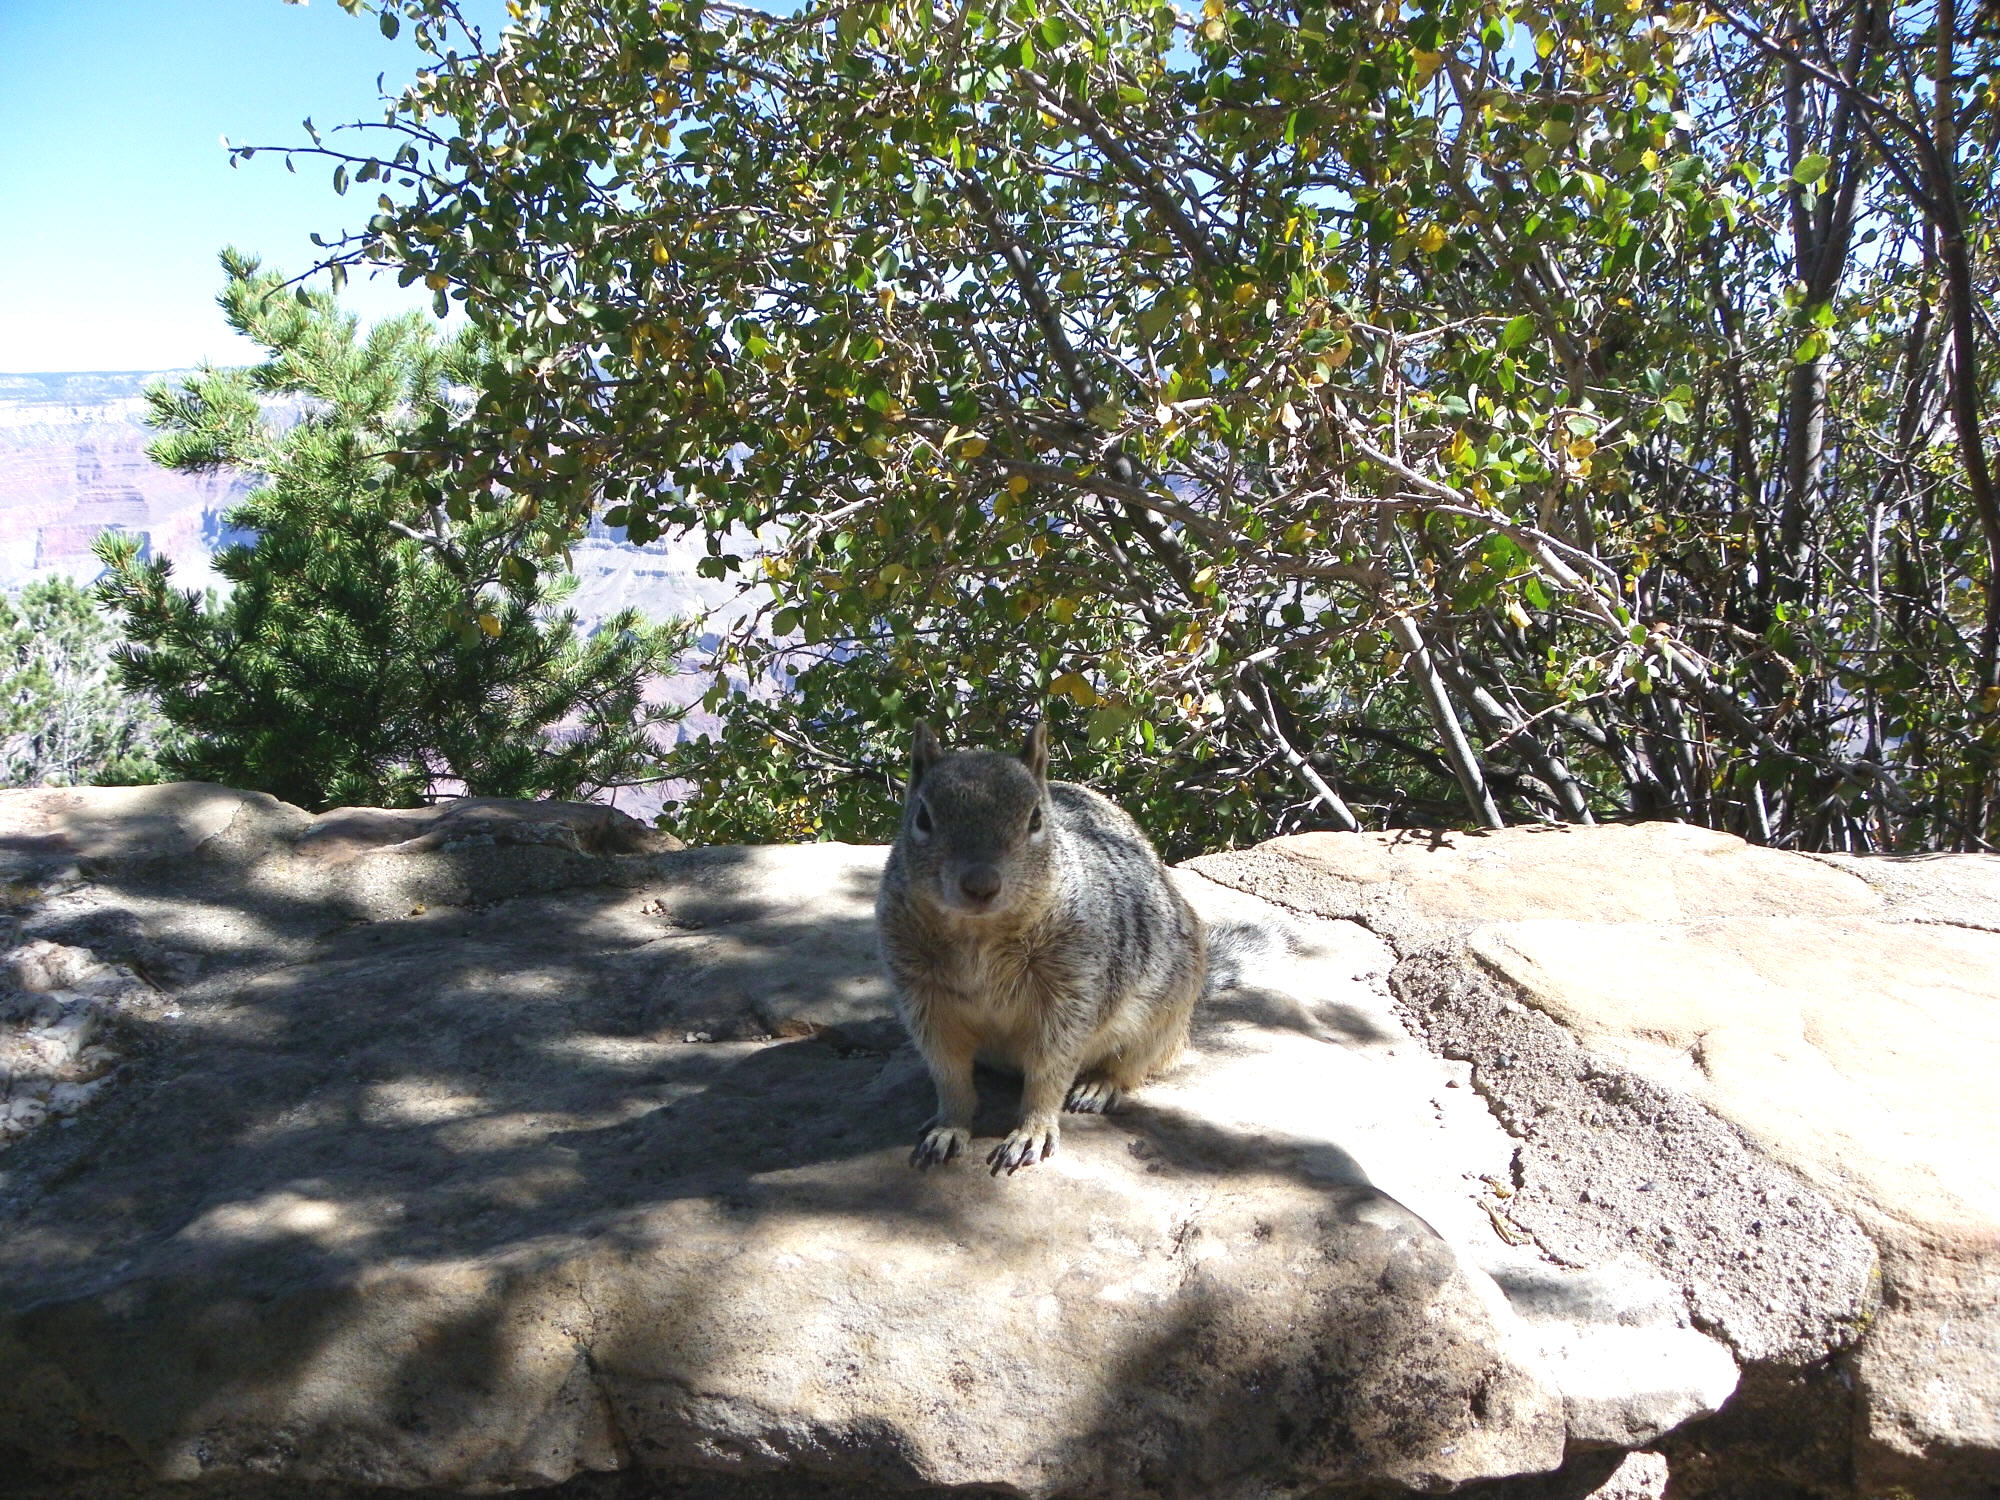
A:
492	1147
1623	992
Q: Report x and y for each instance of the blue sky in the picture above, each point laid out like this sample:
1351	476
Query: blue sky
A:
116	193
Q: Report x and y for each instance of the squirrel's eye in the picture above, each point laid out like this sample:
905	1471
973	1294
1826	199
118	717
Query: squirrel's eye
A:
1035	821
923	817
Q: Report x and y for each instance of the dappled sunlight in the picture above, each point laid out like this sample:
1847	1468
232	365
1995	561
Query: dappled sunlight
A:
509	1132
283	1215
418	1101
512	1177
617	1052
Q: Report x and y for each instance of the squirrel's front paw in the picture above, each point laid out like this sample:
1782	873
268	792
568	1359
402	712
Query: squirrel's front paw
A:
940	1143
1091	1096
1025	1145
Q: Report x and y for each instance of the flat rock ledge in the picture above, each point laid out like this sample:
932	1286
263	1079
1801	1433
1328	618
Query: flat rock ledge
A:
1768	1075
504	1146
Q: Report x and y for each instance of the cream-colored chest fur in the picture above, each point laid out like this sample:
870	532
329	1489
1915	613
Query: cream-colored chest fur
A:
998	991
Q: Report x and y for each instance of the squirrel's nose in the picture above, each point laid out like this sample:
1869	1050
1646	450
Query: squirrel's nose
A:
980	882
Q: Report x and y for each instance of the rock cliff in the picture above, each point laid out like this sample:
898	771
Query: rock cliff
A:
502	1146
73	464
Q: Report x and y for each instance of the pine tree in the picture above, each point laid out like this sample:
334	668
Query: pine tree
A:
372	649
63	719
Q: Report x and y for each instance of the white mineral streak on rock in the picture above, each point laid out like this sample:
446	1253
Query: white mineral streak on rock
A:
1320	1064
55	1001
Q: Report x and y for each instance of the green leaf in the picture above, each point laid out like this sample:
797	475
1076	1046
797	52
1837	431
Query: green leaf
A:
390	25
1811	169
1153	320
881	184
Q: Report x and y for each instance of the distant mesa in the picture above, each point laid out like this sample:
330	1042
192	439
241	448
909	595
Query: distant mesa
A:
79	387
66	548
73	464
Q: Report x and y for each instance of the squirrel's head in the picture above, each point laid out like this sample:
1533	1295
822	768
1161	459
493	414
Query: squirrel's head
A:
976	824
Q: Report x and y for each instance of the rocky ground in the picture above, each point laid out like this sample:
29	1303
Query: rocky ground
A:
507	1146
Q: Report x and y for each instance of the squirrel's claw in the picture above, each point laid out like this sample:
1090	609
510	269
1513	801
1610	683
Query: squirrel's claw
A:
1091	1096
939	1145
1024	1146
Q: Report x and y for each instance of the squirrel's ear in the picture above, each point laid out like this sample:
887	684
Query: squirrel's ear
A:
924	752
1035	754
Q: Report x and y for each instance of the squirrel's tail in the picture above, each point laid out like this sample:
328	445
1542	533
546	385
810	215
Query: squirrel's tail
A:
1237	947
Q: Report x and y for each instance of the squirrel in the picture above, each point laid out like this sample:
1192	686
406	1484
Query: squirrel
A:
1030	923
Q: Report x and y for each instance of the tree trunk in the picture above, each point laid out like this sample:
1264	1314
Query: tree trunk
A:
1470	778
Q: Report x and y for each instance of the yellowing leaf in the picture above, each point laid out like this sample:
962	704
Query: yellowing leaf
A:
972	447
661	255
1431	238
1518	615
1245	292
490	624
1074	688
1214	31
1062	610
1018	485
1288	418
1582	448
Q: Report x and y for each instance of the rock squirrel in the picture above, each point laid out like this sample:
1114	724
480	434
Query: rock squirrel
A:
1029	923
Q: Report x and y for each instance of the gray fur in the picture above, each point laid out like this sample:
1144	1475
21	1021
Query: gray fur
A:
1029	923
